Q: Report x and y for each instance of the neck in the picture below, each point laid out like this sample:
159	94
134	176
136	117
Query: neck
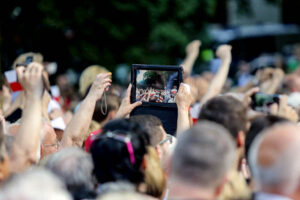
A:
103	122
179	190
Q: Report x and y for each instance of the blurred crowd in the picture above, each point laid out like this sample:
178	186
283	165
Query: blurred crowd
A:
57	143
156	95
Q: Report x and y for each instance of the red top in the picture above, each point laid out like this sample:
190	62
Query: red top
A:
89	141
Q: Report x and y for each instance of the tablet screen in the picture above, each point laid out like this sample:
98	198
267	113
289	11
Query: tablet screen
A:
156	86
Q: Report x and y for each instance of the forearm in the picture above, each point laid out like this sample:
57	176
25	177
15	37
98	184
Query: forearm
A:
273	86
188	64
218	81
183	121
26	143
77	129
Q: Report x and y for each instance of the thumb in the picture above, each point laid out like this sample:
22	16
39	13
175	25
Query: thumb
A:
282	102
274	109
136	104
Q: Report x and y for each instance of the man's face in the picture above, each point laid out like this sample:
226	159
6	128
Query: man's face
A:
50	143
164	148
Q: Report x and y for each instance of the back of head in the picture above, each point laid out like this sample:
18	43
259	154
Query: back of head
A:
113	103
34	184
272	159
152	125
124	196
74	166
88	76
119	151
37	57
227	111
257	126
203	156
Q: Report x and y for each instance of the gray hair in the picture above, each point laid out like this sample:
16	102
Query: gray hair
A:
203	156
283	174
34	184
74	167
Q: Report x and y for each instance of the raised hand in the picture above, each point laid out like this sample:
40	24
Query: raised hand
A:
183	98
192	49
284	110
31	79
77	129
224	52
126	107
101	83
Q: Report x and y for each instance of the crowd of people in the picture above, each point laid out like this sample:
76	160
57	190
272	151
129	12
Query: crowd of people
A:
89	147
156	95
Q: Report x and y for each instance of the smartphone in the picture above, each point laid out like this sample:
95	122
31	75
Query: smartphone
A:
29	59
261	101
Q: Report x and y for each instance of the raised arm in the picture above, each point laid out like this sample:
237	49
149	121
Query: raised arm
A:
192	52
26	143
272	85
224	53
183	101
77	129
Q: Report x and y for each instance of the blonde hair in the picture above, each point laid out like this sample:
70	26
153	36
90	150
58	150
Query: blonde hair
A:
37	57
154	176
88	76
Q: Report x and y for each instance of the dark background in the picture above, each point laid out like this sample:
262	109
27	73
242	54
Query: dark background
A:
78	33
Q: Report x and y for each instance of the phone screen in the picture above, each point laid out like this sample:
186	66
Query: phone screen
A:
156	86
261	101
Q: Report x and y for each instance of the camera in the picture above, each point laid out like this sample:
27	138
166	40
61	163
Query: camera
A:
29	59
261	101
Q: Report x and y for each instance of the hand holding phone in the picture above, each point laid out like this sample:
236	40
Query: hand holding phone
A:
261	101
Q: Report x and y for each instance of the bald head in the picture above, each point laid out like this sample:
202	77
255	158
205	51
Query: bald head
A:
291	83
273	159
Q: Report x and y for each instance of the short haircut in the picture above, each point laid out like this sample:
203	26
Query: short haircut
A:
74	167
34	184
257	126
284	173
227	111
113	102
152	125
203	155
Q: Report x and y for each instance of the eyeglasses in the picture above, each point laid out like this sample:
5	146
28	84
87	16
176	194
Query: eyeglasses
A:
169	138
127	140
56	144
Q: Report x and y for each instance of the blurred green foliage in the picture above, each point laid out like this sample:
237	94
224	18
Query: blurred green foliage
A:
77	33
123	31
